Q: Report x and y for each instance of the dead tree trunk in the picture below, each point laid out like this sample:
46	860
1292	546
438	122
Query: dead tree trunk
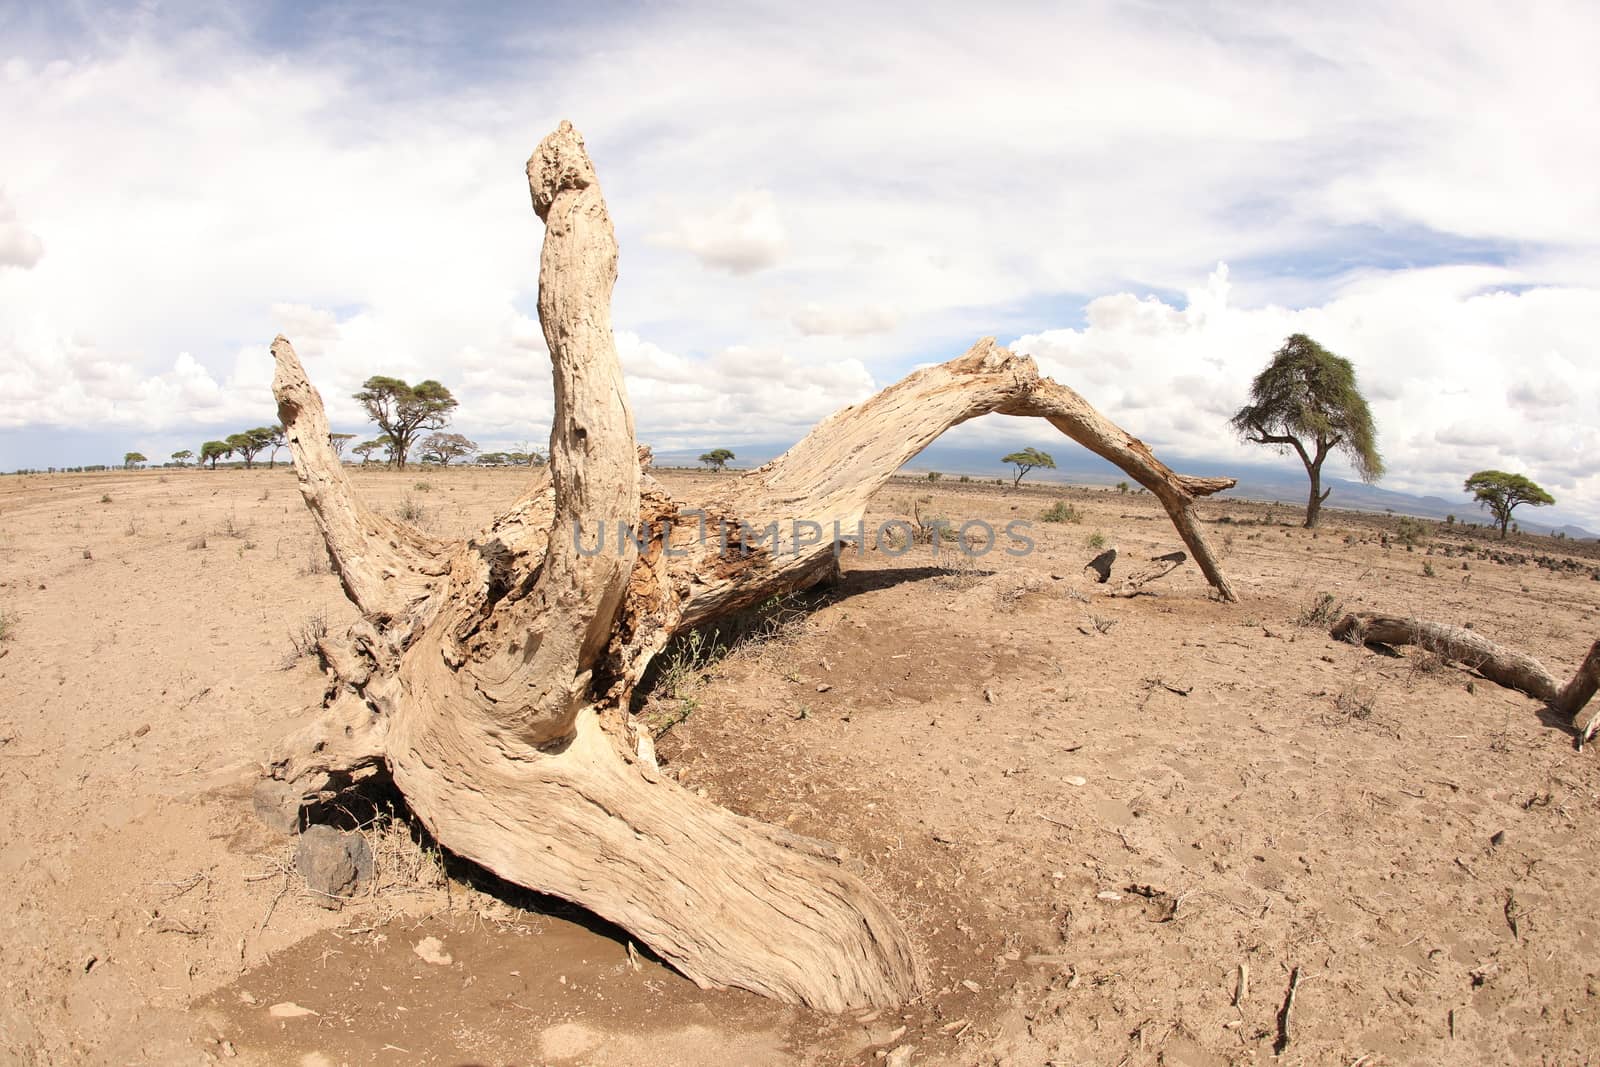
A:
1508	667
492	676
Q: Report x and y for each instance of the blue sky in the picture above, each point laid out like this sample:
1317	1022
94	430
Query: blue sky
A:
810	200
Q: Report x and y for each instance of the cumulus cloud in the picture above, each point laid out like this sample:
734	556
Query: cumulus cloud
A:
816	320
18	246
740	237
877	195
1437	353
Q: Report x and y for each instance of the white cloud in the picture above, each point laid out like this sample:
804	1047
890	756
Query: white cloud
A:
1437	352
864	200
741	237
816	320
18	246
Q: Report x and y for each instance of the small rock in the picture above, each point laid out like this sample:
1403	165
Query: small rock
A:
1073	779
228	1049
971	985
824	687
334	863
900	1057
1498	839
1107	894
277	805
141	731
431	950
288	1009
988	695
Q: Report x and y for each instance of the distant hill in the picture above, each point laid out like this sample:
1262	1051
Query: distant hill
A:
1286	483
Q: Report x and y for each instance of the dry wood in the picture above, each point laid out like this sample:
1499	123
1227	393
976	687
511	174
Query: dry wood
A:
1158	567
1508	667
491	676
1515	670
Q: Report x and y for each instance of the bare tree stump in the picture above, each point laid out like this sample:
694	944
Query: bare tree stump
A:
491	676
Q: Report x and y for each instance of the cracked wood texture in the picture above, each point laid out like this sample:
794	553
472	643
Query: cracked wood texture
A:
492	676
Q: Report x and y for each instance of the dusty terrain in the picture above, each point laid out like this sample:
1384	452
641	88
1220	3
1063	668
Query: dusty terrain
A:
1095	815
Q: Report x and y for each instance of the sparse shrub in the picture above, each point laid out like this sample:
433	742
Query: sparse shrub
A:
105	498
317	561
1321	612
1095	542
1356	702
1227	544
232	527
1224	520
412	511
1427	569
934	476
1060	511
1449	520
8	625
423	487
965	478
303	638
1102	623
1408	532
1122	487
198	542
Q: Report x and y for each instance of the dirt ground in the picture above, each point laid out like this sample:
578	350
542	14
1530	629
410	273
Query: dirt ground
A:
1116	828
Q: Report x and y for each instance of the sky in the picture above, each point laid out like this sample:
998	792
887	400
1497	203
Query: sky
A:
811	200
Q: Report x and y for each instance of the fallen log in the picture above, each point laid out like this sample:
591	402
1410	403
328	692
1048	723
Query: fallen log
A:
491	676
1507	667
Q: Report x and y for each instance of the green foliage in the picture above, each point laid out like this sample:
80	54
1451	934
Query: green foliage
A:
1307	399
445	448
1500	493
1321	612
1095	542
366	448
403	411
1409	531
1026	460
934	476
182	457
717	458
133	459
1061	511
338	441
252	442
1122	487
212	451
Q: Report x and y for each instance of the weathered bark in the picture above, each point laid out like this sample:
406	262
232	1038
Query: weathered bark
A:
1575	695
1508	667
492	676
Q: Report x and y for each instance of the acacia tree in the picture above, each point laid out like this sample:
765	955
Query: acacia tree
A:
366	448
274	438
445	448
132	459
338	441
716	459
1026	460
1500	493
403	411
212	451
1307	399
182	457
492	676
249	444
